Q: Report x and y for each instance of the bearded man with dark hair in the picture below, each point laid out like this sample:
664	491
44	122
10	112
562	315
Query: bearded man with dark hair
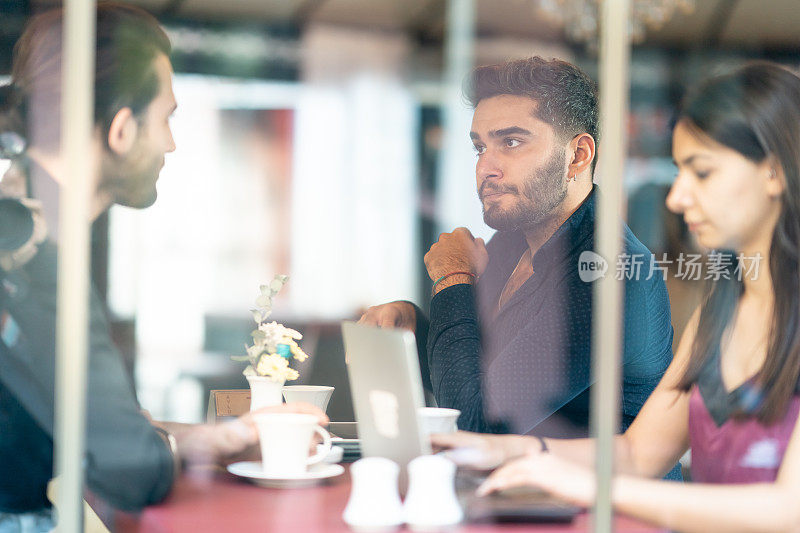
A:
509	336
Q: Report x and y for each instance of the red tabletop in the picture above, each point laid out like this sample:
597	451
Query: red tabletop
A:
218	501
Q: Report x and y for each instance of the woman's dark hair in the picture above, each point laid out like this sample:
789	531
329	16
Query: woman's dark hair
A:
755	110
128	41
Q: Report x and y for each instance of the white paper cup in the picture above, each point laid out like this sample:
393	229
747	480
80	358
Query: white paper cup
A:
438	419
285	439
318	395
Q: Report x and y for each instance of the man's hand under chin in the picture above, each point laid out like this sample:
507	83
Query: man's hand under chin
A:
456	255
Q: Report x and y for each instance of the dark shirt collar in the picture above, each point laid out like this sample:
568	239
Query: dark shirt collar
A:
563	247
570	234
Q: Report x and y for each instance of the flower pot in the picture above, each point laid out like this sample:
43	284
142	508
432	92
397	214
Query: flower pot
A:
264	392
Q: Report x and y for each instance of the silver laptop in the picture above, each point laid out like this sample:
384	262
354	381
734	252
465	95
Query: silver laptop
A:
386	387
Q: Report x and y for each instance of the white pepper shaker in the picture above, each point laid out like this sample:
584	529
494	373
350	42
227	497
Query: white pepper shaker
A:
374	503
431	503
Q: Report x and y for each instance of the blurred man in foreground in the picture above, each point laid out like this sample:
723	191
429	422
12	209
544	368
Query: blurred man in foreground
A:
130	461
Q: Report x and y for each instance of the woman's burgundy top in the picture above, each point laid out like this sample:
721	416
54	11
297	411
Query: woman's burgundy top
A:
734	450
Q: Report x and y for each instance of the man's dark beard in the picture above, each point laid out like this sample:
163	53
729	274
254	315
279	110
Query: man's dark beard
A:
542	192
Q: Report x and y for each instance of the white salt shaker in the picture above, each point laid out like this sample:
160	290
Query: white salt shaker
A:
374	503
431	503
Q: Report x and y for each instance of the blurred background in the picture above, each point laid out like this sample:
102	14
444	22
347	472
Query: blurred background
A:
327	139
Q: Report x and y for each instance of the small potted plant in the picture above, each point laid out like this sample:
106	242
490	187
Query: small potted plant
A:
273	345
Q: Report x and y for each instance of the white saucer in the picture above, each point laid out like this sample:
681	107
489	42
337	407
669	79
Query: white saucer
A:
252	470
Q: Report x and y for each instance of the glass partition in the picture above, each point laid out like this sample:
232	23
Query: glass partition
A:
626	199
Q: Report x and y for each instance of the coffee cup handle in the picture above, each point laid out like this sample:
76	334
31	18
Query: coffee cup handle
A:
326	444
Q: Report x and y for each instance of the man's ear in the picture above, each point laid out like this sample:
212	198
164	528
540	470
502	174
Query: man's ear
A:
582	148
123	131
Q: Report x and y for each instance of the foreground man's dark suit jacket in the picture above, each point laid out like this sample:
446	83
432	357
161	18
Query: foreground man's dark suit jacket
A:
126	463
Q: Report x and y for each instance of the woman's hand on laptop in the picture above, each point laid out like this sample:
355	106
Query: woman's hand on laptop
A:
484	452
562	478
399	314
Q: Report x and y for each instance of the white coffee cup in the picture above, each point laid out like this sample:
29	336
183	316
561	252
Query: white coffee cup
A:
438	419
318	395
285	440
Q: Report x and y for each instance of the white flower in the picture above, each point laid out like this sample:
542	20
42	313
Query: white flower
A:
294	334
263	356
276	367
297	352
275	334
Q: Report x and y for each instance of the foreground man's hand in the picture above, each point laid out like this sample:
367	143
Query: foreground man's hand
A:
484	452
564	479
398	314
458	251
205	444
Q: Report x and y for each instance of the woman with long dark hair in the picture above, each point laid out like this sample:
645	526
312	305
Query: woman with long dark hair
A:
732	393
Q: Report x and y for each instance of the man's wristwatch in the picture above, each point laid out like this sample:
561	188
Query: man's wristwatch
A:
172	443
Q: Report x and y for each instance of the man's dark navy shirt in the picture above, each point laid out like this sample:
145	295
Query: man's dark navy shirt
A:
526	368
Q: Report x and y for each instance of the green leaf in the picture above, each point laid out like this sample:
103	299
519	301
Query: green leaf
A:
258	335
276	285
240	357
